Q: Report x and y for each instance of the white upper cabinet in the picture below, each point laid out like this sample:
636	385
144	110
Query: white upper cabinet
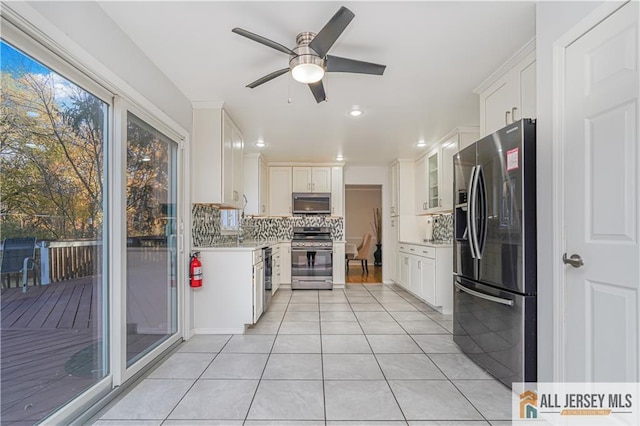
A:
280	191
510	93
402	187
434	171
395	188
448	150
337	191
311	179
421	185
217	158
433	180
255	184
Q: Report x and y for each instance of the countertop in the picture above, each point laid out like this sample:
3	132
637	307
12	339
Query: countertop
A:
245	245
431	243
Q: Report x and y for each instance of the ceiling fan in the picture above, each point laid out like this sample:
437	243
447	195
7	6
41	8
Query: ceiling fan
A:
308	61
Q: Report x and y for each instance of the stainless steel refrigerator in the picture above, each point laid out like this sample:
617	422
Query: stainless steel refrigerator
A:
495	252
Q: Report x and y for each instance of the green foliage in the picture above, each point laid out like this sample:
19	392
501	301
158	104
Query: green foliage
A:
51	159
52	149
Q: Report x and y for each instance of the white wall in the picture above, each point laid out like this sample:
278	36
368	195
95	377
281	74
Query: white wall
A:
553	19
375	175
87	25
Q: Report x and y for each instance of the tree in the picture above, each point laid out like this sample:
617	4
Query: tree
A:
51	158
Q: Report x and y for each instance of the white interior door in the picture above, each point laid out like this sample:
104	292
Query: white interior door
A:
601	157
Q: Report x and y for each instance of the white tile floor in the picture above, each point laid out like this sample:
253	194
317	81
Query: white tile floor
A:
365	355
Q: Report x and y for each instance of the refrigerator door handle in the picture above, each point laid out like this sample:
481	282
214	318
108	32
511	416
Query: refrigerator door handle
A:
484	208
473	199
470	213
483	296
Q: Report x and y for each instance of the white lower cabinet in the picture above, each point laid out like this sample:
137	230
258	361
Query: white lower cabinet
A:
258	291
427	290
231	292
427	272
338	263
404	270
281	264
285	264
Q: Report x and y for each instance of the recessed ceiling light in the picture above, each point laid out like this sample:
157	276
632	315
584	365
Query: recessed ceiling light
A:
260	143
356	112
421	144
339	157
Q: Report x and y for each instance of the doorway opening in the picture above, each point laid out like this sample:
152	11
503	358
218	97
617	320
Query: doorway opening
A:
363	233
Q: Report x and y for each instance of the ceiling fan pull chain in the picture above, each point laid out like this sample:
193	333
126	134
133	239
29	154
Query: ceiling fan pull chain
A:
289	89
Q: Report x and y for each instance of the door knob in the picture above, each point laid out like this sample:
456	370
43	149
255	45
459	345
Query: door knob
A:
575	260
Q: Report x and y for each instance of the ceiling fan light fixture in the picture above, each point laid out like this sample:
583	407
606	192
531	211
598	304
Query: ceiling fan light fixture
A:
307	72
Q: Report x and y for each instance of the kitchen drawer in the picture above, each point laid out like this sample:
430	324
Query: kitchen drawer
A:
429	252
417	250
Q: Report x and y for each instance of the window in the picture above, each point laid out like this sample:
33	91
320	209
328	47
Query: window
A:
229	222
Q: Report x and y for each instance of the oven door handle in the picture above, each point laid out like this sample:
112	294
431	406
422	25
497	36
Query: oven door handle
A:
311	249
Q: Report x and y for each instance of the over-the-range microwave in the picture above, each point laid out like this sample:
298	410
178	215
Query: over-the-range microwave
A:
311	203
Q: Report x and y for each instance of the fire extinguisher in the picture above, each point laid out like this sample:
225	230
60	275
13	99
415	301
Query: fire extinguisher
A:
195	271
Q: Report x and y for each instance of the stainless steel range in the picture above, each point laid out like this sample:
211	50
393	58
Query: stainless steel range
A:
312	258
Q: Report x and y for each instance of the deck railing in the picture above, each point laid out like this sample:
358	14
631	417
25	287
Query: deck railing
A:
65	260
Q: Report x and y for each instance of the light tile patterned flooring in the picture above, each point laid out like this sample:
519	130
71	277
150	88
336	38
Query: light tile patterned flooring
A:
365	355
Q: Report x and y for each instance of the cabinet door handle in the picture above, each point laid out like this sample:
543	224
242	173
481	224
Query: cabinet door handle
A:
513	114
440	202
506	117
419	264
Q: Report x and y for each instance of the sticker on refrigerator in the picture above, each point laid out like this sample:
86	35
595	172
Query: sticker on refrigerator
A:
512	159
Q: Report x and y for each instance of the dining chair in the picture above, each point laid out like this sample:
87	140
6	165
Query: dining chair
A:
363	253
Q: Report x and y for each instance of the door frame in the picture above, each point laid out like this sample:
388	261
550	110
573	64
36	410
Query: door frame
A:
598	15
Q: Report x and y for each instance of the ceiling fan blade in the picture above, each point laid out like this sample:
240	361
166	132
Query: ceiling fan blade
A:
338	64
267	77
318	91
328	35
262	40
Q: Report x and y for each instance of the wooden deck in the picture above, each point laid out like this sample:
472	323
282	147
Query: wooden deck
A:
50	347
51	336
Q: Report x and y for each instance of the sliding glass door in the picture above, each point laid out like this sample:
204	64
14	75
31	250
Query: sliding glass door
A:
90	203
151	218
54	326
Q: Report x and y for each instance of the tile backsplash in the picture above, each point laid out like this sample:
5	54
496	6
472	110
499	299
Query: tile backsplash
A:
443	227
206	226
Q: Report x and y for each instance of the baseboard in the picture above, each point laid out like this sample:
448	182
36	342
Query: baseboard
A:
219	330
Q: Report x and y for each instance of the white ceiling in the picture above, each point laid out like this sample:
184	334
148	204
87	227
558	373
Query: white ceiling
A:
436	54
